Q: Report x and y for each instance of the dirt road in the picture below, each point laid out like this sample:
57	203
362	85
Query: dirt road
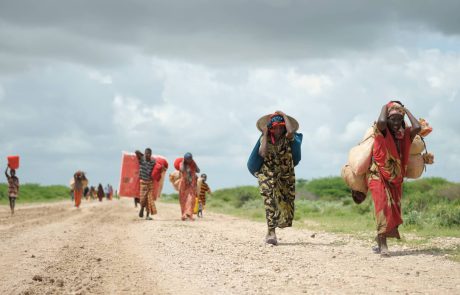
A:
104	248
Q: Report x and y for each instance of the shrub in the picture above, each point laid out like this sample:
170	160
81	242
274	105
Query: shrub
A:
238	196
450	192
365	207
447	215
328	188
413	218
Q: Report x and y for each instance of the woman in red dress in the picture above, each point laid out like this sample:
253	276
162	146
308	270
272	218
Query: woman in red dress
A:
188	186
389	163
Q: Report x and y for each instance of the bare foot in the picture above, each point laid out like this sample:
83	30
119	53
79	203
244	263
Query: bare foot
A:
383	247
377	248
270	238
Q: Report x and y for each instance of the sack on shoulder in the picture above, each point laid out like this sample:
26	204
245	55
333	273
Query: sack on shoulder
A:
359	157
417	146
255	161
415	166
353	181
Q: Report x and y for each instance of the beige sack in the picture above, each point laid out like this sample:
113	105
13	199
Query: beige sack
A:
369	133
359	157
415	166
417	146
174	178
353	181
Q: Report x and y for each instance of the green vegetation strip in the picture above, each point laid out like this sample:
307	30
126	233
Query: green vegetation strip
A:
33	193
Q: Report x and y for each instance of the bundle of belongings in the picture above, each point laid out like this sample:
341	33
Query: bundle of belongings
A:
355	172
174	177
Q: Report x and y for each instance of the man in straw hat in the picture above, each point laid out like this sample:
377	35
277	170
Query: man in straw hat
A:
276	176
390	157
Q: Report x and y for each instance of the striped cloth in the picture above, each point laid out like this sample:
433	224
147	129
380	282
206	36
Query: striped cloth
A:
145	168
146	194
13	186
204	188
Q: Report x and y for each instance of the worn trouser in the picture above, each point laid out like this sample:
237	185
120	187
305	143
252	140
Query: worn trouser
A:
12	202
279	195
146	194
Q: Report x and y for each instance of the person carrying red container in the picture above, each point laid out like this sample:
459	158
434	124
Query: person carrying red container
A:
13	187
146	164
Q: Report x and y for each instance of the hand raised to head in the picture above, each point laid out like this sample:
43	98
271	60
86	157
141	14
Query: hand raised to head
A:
139	154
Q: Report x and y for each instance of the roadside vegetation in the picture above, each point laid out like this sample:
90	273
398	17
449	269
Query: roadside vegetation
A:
33	193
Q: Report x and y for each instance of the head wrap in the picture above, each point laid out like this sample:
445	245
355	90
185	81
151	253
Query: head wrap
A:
187	156
395	108
275	120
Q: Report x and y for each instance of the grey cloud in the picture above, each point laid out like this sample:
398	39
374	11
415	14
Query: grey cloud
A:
314	60
107	32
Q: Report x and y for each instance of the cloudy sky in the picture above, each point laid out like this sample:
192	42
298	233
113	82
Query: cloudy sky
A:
82	81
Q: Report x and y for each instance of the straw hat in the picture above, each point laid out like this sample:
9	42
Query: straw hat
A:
264	119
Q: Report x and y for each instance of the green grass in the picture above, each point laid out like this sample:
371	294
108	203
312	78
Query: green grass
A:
29	193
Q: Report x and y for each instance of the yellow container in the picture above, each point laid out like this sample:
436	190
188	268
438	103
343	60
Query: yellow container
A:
195	210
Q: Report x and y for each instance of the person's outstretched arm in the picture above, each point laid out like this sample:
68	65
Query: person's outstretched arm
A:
6	172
